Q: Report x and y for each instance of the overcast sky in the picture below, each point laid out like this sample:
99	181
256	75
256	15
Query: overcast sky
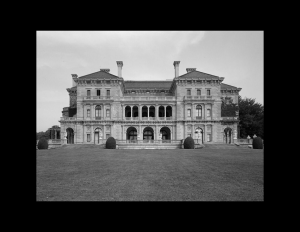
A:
147	55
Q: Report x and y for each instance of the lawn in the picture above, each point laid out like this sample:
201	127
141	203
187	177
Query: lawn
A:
93	174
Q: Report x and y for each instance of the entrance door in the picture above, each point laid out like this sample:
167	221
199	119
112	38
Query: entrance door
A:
96	139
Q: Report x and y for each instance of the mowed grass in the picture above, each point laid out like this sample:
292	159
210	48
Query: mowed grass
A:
94	174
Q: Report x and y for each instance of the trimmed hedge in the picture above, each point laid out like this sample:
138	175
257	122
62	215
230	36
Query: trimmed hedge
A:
257	143
42	144
189	143
111	143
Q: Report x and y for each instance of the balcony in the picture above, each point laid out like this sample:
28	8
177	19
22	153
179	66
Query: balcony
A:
98	98
198	97
148	98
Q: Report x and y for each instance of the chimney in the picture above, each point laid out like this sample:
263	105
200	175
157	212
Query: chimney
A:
190	70
74	77
105	70
120	65
176	66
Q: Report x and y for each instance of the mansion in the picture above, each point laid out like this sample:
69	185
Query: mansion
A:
104	105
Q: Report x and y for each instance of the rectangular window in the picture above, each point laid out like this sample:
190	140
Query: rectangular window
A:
208	113
198	92
98	92
88	113
108	92
189	113
107	136
88	137
89	92
188	92
107	113
208	92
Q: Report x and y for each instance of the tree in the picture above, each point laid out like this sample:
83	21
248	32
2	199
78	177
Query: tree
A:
251	116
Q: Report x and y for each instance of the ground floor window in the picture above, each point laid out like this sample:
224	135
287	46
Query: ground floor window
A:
88	137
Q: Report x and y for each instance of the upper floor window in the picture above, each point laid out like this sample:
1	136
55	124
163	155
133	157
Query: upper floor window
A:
208	112
98	92
188	92
107	113
199	110
97	111
208	92
189	113
198	92
107	92
88	113
89	92
88	137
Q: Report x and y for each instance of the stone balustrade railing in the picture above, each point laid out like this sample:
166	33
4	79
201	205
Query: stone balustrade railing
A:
197	97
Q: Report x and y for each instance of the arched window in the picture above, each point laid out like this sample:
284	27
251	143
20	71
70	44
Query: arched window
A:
199	111
97	111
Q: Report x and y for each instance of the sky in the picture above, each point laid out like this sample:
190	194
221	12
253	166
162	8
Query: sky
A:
147	55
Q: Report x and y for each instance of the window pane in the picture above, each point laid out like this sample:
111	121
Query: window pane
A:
108	92
188	92
189	113
198	92
208	92
208	112
89	92
98	92
107	113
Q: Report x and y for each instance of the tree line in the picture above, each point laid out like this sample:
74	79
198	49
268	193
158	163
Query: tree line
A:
250	115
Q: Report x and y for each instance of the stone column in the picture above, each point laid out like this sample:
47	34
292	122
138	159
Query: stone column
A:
204	116
111	111
140	112
192	113
104	132
184	113
204	134
140	133
156	112
92	111
148	108
122	112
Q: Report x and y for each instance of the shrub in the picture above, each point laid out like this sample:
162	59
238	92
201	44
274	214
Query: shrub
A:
257	143
111	143
189	143
42	144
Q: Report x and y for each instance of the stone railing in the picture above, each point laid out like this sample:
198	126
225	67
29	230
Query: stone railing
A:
148	98
152	141
197	97
56	141
228	118
97	98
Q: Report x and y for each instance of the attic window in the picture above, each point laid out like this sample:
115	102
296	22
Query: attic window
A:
88	82
98	82
162	91
189	82
107	82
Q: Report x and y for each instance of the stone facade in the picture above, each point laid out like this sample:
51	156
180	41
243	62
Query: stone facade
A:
104	105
